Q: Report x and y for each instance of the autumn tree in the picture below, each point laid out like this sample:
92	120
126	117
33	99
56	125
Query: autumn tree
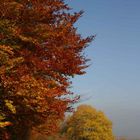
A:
87	123
40	50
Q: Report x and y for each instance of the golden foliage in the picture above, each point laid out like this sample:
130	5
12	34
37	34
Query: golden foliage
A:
89	124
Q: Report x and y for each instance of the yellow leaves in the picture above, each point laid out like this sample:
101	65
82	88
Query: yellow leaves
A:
28	39
10	64
7	60
4	124
15	61
16	5
10	106
16	31
69	130
6	49
89	123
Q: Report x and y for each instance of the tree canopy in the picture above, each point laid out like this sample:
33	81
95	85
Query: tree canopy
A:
40	50
87	123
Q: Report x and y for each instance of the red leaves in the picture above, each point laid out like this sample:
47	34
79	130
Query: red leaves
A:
41	50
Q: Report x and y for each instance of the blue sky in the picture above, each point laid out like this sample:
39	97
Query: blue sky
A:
113	80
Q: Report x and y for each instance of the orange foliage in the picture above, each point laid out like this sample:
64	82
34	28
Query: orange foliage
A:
40	50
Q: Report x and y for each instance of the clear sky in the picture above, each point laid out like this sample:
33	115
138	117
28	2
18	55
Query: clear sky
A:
113	80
